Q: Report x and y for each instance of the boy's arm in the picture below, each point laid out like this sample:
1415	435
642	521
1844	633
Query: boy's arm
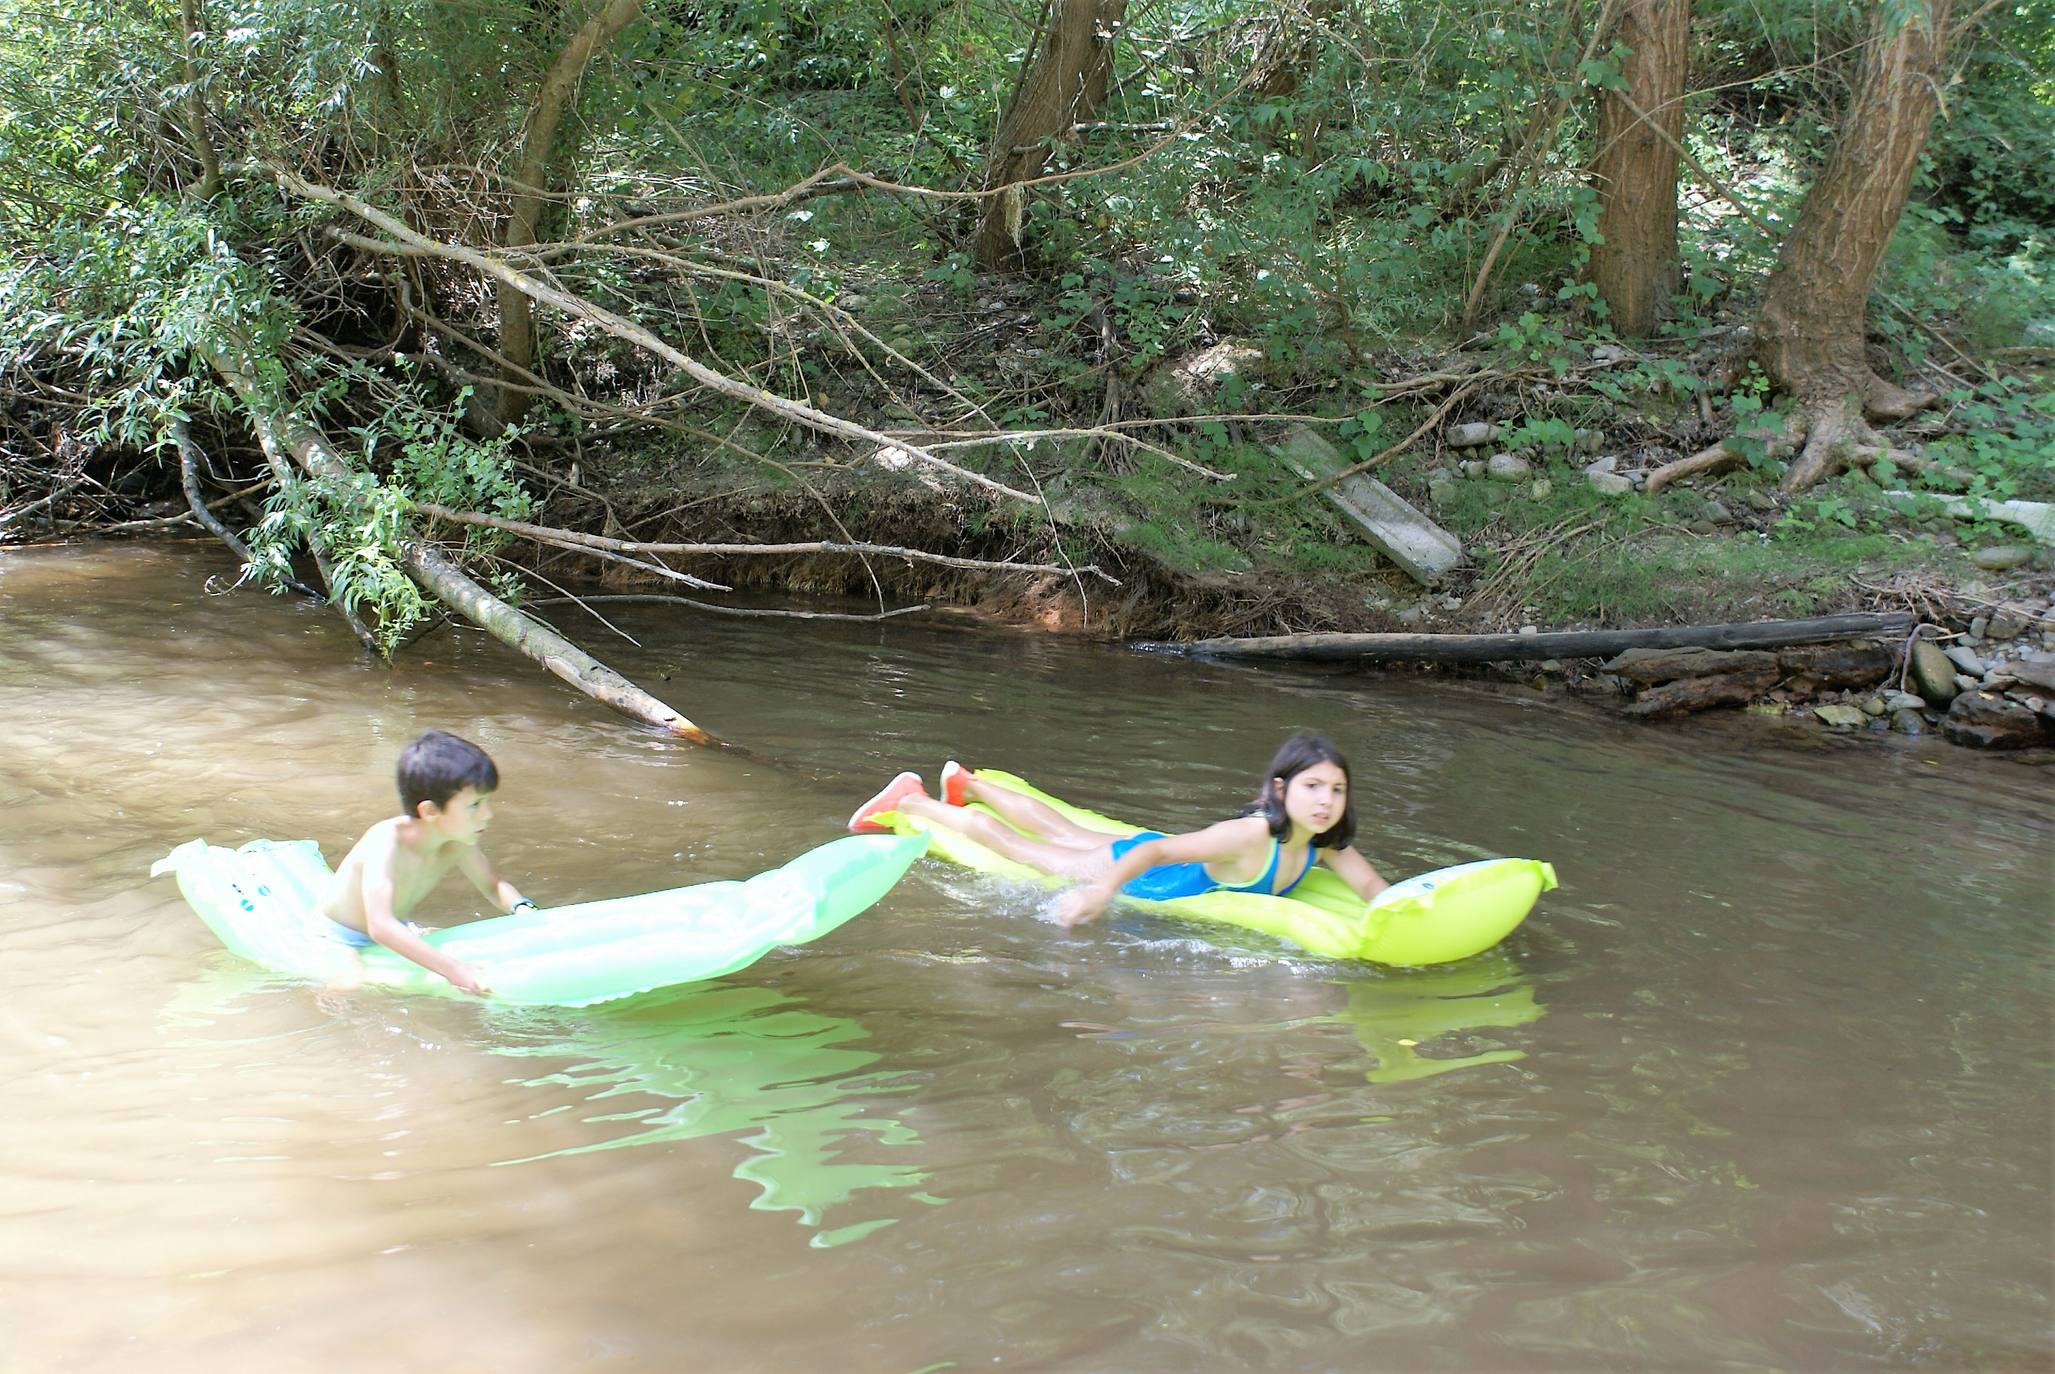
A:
495	889
389	930
1355	870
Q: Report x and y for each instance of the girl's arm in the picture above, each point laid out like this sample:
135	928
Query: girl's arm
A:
1355	870
1221	841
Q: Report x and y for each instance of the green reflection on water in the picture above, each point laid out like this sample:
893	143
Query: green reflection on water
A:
746	1061
1395	1017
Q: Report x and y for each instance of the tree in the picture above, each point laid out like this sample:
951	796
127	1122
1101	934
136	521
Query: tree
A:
1810	337
1812	323
1063	88
1634	167
529	181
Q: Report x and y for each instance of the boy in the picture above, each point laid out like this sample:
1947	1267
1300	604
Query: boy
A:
445	786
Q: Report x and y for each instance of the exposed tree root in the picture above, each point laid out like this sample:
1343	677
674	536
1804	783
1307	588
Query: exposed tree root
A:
1835	432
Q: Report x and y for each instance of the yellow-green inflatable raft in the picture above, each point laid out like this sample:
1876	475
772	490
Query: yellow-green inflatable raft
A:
1433	918
262	900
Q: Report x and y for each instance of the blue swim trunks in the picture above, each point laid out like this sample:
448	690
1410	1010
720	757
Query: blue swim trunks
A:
1166	881
350	935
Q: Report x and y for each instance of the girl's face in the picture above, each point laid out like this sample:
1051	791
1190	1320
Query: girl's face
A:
1314	797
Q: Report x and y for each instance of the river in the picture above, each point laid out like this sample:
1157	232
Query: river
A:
1764	1086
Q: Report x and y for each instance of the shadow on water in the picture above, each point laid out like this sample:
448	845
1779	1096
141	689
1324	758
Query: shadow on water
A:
744	1061
712	1060
1395	1018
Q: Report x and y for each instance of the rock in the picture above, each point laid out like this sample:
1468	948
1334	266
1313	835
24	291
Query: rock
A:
1908	722
1966	661
1895	702
1840	717
1530	629
1983	720
1507	467
1873	706
1997	680
1475	434
1541	489
1701	528
1977	625
1933	672
1610	353
2038	669
1191	384
1412	615
1452	603
1698	693
1472	467
1669	665
1605	464
1591	440
1441	491
2002	557
2006	623
1718	511
1761	500
1609	483
1965	683
1854	666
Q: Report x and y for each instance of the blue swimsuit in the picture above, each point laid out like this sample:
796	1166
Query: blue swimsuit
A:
1190	879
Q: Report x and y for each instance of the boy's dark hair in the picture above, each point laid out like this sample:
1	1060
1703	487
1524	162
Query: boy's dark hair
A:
1294	757
438	765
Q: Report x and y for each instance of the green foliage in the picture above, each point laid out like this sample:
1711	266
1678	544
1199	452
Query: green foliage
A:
2008	441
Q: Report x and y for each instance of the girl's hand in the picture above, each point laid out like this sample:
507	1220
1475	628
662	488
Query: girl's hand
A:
467	979
1082	904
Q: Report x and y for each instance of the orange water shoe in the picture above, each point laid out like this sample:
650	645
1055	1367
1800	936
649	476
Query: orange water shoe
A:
896	791
954	776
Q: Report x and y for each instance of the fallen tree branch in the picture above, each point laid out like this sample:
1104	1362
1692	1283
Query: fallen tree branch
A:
404	241
1431	648
189	477
448	583
573	538
653	599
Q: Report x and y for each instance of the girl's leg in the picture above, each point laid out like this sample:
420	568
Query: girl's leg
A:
1035	817
1064	860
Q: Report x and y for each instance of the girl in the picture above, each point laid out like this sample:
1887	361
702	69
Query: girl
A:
1302	816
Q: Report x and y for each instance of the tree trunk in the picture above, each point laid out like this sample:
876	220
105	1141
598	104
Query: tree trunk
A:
1436	648
529	179
1634	266
1813	319
1064	88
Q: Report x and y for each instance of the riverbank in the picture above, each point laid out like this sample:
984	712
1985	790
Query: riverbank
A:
1980	670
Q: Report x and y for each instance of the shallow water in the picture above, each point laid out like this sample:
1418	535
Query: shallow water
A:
1765	1085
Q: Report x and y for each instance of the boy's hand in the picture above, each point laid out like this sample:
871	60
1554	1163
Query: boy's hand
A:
1082	904
464	978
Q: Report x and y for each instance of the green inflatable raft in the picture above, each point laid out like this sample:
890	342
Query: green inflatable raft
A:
261	900
1432	918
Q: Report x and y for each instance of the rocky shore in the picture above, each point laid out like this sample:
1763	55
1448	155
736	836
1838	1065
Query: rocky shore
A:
1989	684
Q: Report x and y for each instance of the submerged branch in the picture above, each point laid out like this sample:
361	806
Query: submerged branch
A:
448	583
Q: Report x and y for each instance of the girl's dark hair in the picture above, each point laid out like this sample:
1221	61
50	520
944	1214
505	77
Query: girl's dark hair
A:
438	765
1294	757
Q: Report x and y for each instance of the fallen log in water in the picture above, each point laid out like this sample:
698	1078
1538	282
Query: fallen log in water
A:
1503	648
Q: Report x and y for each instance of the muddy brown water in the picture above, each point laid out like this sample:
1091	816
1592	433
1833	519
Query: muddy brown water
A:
1765	1086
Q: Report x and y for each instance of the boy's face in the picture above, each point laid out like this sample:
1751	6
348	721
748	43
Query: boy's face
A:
461	819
